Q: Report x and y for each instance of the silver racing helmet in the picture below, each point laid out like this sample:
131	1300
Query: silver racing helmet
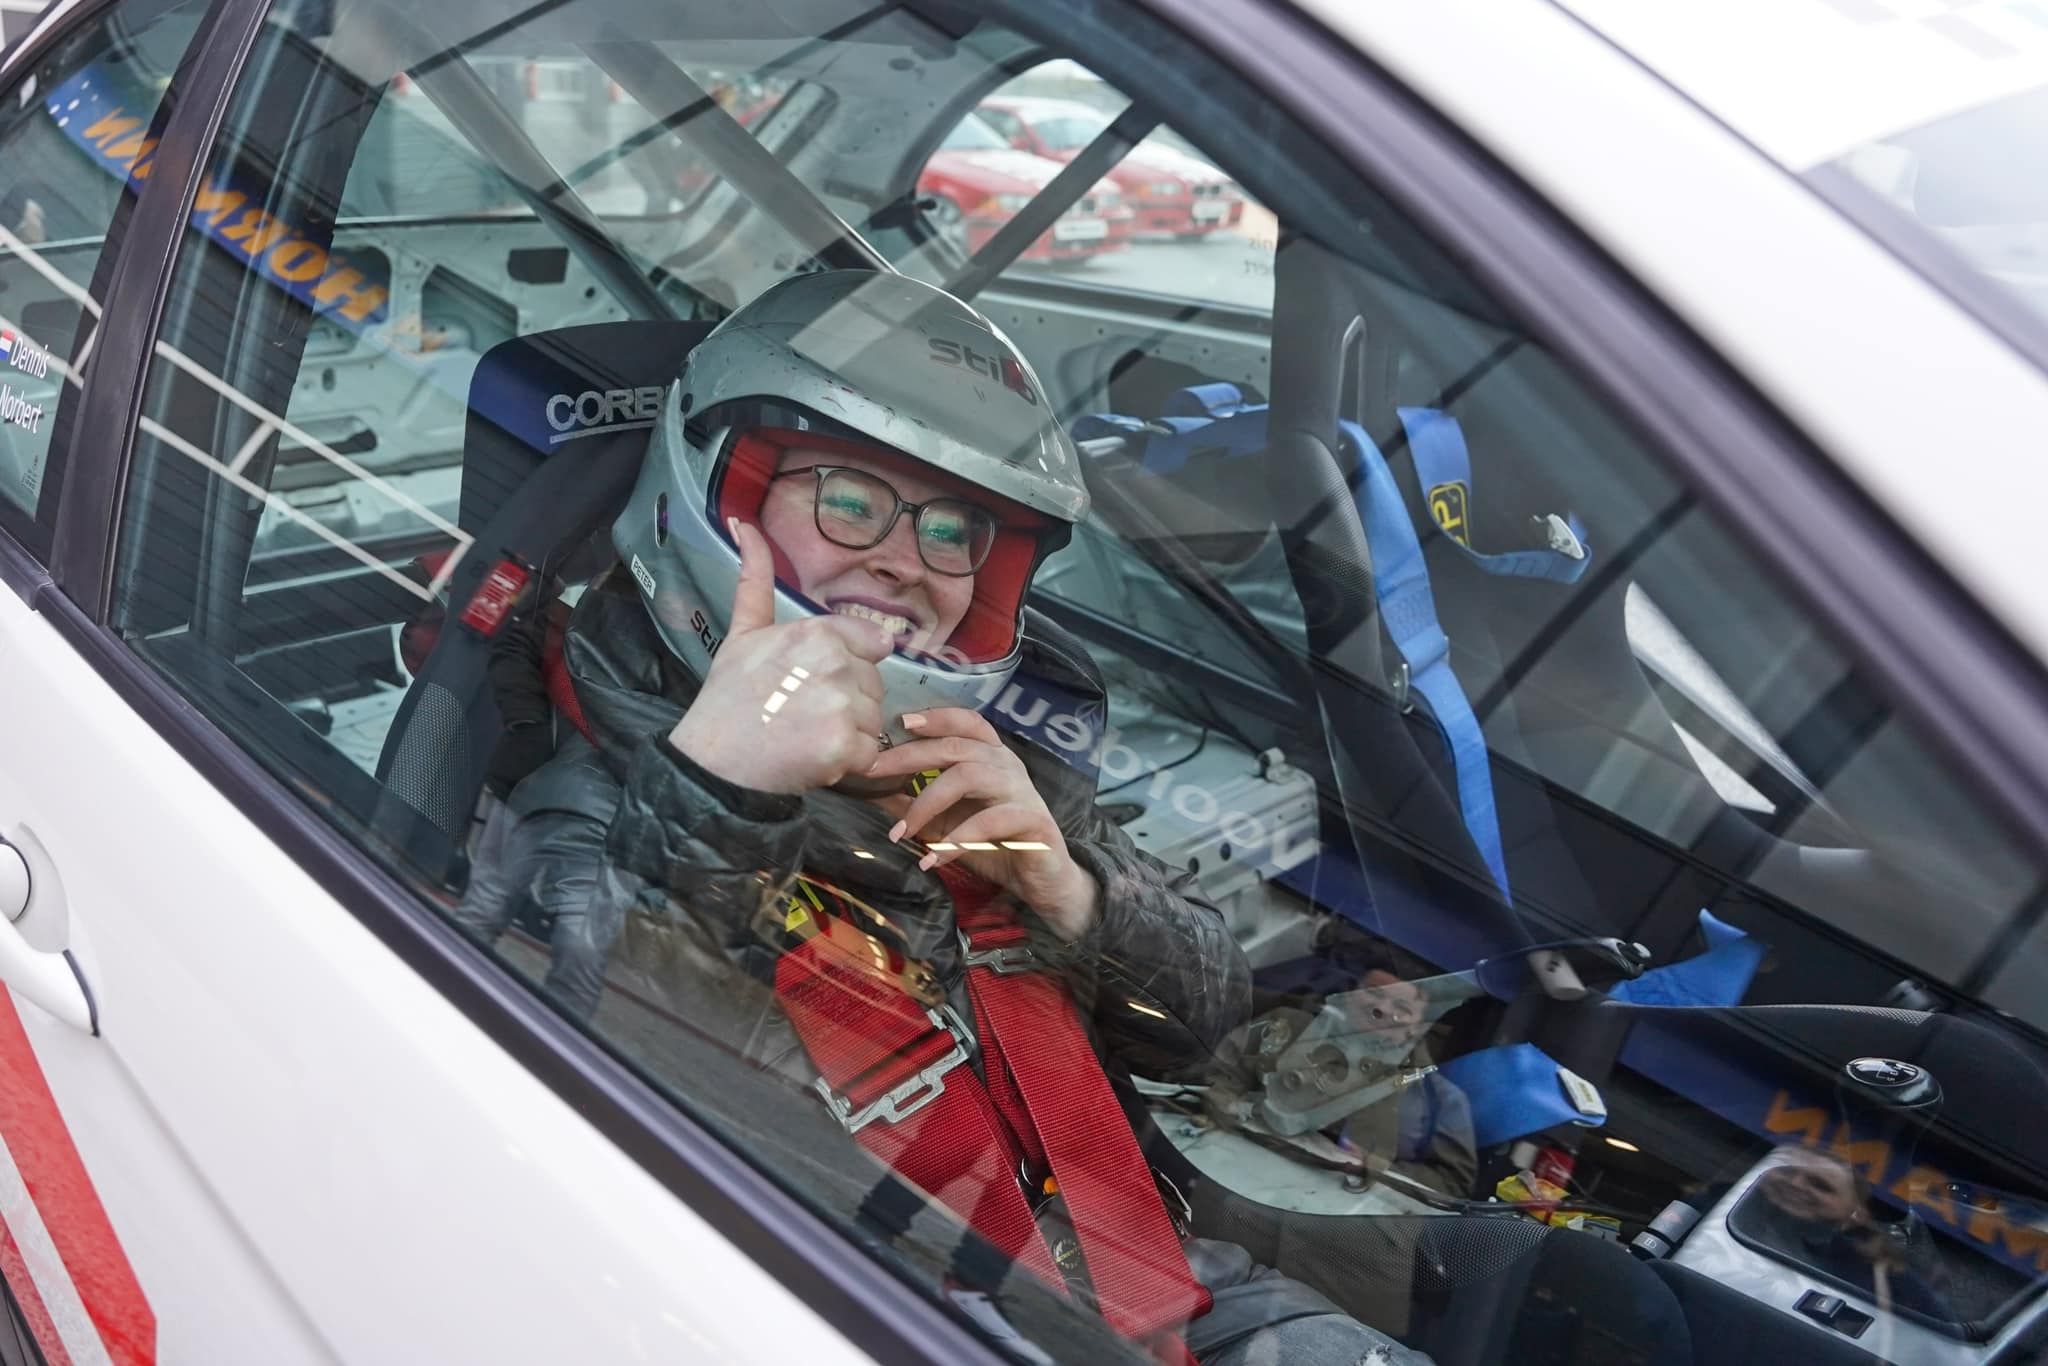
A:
890	368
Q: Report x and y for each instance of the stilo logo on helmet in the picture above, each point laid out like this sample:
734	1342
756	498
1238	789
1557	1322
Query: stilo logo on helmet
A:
1003	368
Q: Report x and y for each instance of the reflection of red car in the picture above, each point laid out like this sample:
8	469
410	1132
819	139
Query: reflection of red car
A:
1164	188
977	183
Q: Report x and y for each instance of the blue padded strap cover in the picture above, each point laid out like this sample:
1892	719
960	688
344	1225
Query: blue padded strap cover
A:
1514	1091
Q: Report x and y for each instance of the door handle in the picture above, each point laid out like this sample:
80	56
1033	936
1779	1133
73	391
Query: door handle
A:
52	980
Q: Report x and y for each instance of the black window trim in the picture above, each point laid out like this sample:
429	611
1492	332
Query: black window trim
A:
36	532
1651	367
88	504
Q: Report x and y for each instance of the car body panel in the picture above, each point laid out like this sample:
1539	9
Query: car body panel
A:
1889	67
226	977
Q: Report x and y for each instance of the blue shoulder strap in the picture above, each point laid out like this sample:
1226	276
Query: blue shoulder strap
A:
1444	469
1215	417
1401	582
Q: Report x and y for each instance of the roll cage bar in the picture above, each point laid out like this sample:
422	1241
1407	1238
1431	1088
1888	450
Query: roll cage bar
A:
655	81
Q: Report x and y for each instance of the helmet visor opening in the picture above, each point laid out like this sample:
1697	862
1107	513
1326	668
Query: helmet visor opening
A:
998	542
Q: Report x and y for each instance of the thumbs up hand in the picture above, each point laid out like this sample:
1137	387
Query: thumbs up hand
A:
787	706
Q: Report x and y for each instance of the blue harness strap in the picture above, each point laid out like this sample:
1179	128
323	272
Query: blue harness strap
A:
1718	977
1216	418
1401	580
1443	467
1199	418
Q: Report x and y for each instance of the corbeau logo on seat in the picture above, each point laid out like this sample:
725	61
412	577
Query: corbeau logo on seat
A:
596	411
1003	368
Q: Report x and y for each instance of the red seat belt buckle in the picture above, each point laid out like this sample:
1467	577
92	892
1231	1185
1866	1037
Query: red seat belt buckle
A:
496	596
914	1092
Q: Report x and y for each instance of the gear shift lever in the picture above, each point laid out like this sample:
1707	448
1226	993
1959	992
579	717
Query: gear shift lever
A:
1889	1101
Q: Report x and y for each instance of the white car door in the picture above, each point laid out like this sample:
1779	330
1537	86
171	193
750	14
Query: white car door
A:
230	1118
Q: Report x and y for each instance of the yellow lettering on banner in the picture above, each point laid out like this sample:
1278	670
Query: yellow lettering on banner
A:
110	128
365	305
297	260
349	283
1990	1227
141	169
1810	1123
256	232
131	151
216	204
1928	1189
1870	1156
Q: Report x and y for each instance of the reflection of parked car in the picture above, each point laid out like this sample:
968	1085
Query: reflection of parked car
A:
977	183
1166	189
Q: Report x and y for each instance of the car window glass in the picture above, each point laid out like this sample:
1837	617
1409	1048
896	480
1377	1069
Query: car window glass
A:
1068	133
78	131
973	134
1171	224
1003	122
1423	841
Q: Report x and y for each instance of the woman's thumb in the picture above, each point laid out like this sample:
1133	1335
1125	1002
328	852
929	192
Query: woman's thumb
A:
753	597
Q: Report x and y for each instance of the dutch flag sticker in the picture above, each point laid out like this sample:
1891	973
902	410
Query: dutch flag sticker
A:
6	345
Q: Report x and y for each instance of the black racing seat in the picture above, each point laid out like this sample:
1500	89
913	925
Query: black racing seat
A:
1471	1290
558	425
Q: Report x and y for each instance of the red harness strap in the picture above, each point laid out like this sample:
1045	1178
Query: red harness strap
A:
889	1070
896	1074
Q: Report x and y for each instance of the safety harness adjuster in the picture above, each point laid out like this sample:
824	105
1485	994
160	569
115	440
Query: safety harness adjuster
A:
913	1093
1560	537
1400	684
1011	958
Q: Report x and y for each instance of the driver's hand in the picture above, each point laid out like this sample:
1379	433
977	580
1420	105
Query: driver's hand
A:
984	805
789	706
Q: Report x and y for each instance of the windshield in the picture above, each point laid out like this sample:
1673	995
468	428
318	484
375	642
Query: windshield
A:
1958	176
972	134
1939	109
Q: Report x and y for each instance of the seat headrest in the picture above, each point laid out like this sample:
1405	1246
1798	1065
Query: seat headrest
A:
538	395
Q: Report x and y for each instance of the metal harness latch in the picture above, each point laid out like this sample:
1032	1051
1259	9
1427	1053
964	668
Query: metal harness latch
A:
906	1098
1011	958
1559	536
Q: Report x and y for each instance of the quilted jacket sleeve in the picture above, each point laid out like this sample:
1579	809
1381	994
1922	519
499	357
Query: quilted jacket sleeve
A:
1168	980
704	841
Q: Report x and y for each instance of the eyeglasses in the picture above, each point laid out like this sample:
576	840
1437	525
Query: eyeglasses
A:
858	510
